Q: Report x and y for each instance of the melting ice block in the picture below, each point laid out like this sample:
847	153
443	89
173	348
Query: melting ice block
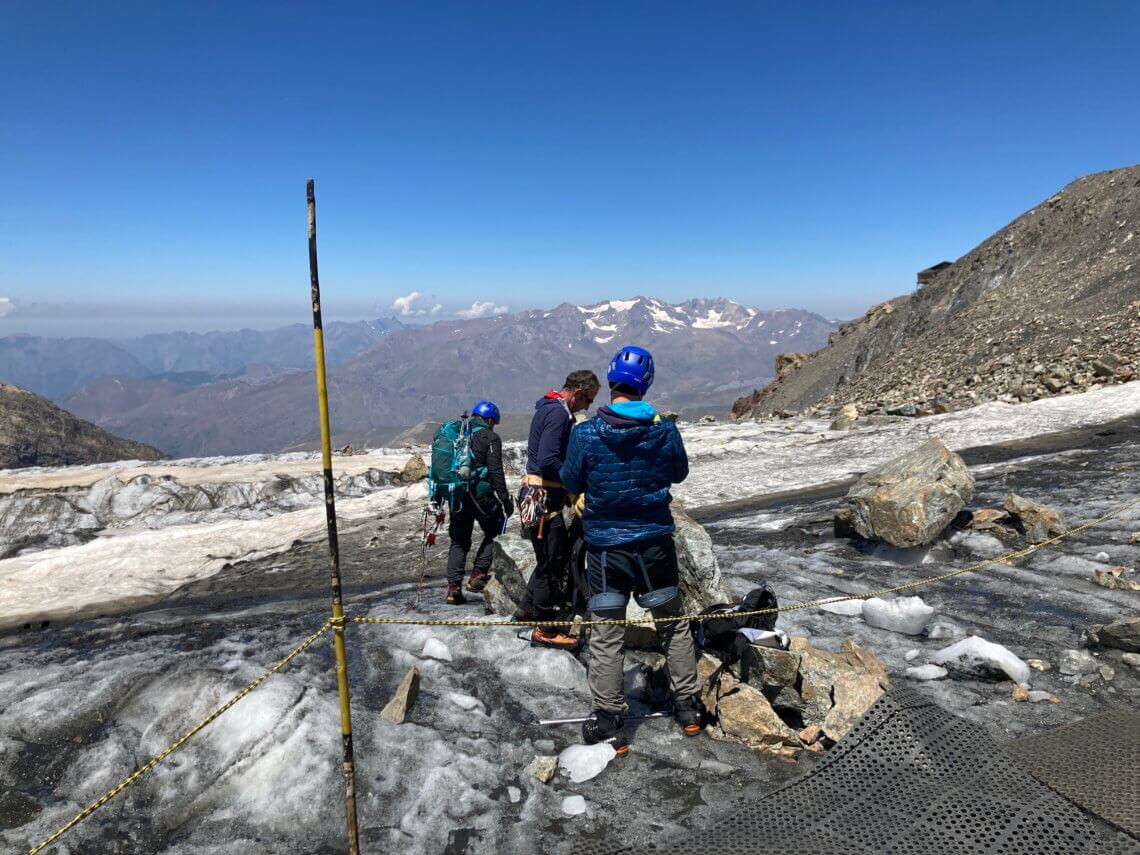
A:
926	672
573	805
980	658
904	614
583	762
850	608
436	649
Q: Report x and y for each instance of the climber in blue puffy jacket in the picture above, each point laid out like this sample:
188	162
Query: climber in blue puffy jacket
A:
624	460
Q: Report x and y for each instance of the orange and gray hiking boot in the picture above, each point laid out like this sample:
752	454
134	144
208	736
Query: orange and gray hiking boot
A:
690	714
455	596
555	639
478	582
606	727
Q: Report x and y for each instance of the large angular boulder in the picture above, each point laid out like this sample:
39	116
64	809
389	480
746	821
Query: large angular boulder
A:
415	470
908	501
742	712
807	686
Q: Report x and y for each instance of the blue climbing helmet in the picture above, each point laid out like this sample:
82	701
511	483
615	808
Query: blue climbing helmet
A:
487	411
632	366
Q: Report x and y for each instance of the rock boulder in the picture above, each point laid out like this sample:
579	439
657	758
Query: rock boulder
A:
908	501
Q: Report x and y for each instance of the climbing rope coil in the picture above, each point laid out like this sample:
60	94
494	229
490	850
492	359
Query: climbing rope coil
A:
338	625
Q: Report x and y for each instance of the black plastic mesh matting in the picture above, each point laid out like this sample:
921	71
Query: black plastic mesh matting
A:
909	778
1095	762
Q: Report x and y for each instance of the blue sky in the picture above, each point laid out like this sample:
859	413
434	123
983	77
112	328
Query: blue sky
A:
519	154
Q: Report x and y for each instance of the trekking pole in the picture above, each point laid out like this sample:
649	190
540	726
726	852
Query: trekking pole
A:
553	721
330	521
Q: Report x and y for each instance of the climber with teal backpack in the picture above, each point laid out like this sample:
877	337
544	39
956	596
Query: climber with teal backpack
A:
467	477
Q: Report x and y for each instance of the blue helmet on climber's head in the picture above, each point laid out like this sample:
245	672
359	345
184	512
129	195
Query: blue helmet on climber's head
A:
487	411
631	367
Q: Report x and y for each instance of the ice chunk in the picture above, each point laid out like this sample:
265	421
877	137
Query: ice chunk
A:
514	794
977	657
466	702
583	762
943	629
1101	556
1076	662
849	608
926	672
908	615
573	805
911	655
436	649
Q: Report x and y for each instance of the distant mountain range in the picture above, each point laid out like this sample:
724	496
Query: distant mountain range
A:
56	367
232	393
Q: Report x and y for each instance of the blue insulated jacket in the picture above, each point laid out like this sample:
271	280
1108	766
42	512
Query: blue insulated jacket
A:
625	460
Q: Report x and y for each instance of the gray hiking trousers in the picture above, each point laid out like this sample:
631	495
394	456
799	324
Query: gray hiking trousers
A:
613	574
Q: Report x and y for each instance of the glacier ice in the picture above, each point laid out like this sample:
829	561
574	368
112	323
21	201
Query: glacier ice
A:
436	649
848	608
583	762
908	615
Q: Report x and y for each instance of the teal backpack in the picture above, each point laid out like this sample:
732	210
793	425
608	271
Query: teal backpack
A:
453	469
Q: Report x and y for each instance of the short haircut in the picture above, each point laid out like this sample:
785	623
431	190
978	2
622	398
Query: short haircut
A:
581	381
623	389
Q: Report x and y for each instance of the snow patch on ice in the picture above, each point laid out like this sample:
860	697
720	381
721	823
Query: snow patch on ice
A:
978	657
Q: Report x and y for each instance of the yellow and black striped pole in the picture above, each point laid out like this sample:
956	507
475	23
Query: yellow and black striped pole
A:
330	520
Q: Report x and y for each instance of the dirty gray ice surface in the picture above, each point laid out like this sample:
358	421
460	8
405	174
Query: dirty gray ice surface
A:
83	704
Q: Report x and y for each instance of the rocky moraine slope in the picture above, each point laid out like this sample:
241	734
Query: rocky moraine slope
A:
35	432
1049	305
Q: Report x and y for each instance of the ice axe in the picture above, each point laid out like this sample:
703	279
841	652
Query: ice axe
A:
554	721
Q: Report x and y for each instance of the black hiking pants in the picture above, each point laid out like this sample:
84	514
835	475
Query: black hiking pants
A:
489	514
545	595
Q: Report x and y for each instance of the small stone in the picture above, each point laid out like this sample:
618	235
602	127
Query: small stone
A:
1101	556
1037	521
1020	693
986	518
1113	579
1106	672
542	768
514	794
1131	659
396	710
810	735
1038	664
911	655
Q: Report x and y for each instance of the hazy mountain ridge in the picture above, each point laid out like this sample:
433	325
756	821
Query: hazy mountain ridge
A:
57	367
707	352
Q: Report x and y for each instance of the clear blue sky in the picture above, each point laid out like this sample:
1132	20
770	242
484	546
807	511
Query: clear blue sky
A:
522	153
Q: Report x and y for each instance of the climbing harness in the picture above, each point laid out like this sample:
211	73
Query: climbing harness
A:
435	514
